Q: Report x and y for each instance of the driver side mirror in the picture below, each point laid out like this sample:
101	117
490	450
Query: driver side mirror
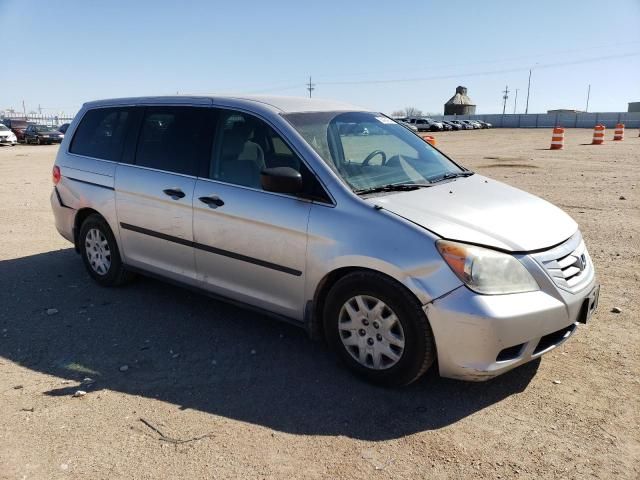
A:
281	180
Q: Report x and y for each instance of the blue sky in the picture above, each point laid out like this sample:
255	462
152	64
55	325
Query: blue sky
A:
379	54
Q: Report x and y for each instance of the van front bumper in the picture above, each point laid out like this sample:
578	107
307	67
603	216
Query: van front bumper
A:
481	336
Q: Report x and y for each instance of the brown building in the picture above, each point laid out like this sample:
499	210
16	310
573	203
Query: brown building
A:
460	103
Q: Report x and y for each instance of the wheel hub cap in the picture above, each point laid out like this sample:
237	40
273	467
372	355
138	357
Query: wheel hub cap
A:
371	332
98	251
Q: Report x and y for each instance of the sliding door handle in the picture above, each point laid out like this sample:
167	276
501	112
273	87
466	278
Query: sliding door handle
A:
212	201
174	193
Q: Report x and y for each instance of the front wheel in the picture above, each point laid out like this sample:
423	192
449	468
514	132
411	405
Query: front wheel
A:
379	329
100	253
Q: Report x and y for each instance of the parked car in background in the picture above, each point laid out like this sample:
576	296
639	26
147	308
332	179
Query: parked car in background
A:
437	123
411	127
42	135
462	125
63	128
7	137
446	126
17	127
474	125
454	126
400	257
422	125
426	125
484	124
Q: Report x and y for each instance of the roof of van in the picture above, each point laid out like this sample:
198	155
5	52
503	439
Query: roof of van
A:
279	103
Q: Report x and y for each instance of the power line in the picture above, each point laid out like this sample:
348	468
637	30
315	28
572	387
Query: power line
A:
286	87
507	59
487	72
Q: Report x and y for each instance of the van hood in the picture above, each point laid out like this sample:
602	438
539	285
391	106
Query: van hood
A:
483	211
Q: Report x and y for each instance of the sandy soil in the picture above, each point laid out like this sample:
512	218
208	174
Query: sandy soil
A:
213	391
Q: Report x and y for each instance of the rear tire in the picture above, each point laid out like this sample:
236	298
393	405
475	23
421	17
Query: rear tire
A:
100	253
378	328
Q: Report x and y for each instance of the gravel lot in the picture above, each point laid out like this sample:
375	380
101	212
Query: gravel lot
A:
214	391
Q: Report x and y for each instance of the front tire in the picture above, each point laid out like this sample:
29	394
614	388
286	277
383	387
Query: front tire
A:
100	253
378	328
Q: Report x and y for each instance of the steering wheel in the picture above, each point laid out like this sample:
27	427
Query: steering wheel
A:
373	154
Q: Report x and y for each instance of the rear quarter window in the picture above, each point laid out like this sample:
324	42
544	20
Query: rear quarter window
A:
101	134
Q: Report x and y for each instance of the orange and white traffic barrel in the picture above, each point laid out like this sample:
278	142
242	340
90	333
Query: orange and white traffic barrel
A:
557	139
598	135
429	139
618	134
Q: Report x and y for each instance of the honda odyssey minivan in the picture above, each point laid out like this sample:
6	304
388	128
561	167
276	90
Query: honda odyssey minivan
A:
393	252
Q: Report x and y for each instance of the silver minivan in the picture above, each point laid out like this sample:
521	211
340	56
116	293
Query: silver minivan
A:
394	253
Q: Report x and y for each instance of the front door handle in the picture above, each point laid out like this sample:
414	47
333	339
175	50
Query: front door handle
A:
213	201
174	193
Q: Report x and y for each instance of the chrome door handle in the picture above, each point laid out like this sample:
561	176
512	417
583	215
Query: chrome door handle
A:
174	193
212	201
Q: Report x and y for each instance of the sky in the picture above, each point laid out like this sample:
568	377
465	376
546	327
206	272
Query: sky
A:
383	55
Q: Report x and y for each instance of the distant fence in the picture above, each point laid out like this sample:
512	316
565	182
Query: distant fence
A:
50	120
550	120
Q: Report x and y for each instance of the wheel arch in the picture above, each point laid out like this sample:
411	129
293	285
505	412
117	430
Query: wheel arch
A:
315	307
81	216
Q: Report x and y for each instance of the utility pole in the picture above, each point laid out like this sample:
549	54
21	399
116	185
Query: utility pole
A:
39	109
515	101
310	86
588	95
526	110
24	109
504	98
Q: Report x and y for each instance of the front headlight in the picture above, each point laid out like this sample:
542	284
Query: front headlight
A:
486	271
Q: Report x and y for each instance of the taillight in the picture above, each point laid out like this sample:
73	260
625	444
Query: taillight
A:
56	174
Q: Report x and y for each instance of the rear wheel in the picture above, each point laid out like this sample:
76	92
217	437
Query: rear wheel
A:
100	253
378	328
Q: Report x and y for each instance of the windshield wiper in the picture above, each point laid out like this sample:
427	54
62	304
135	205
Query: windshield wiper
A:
449	175
392	187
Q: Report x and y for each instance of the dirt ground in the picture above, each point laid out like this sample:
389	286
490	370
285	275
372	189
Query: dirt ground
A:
214	391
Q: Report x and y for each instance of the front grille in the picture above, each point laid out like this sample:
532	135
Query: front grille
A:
569	264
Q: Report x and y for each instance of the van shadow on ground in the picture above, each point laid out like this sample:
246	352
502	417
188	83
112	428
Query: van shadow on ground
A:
228	361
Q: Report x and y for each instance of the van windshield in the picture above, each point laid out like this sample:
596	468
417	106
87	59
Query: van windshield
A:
369	150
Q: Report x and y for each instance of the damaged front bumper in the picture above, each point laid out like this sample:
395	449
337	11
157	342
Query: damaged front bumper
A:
481	336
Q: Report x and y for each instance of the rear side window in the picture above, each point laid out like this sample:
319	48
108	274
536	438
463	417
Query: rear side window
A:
101	133
175	139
